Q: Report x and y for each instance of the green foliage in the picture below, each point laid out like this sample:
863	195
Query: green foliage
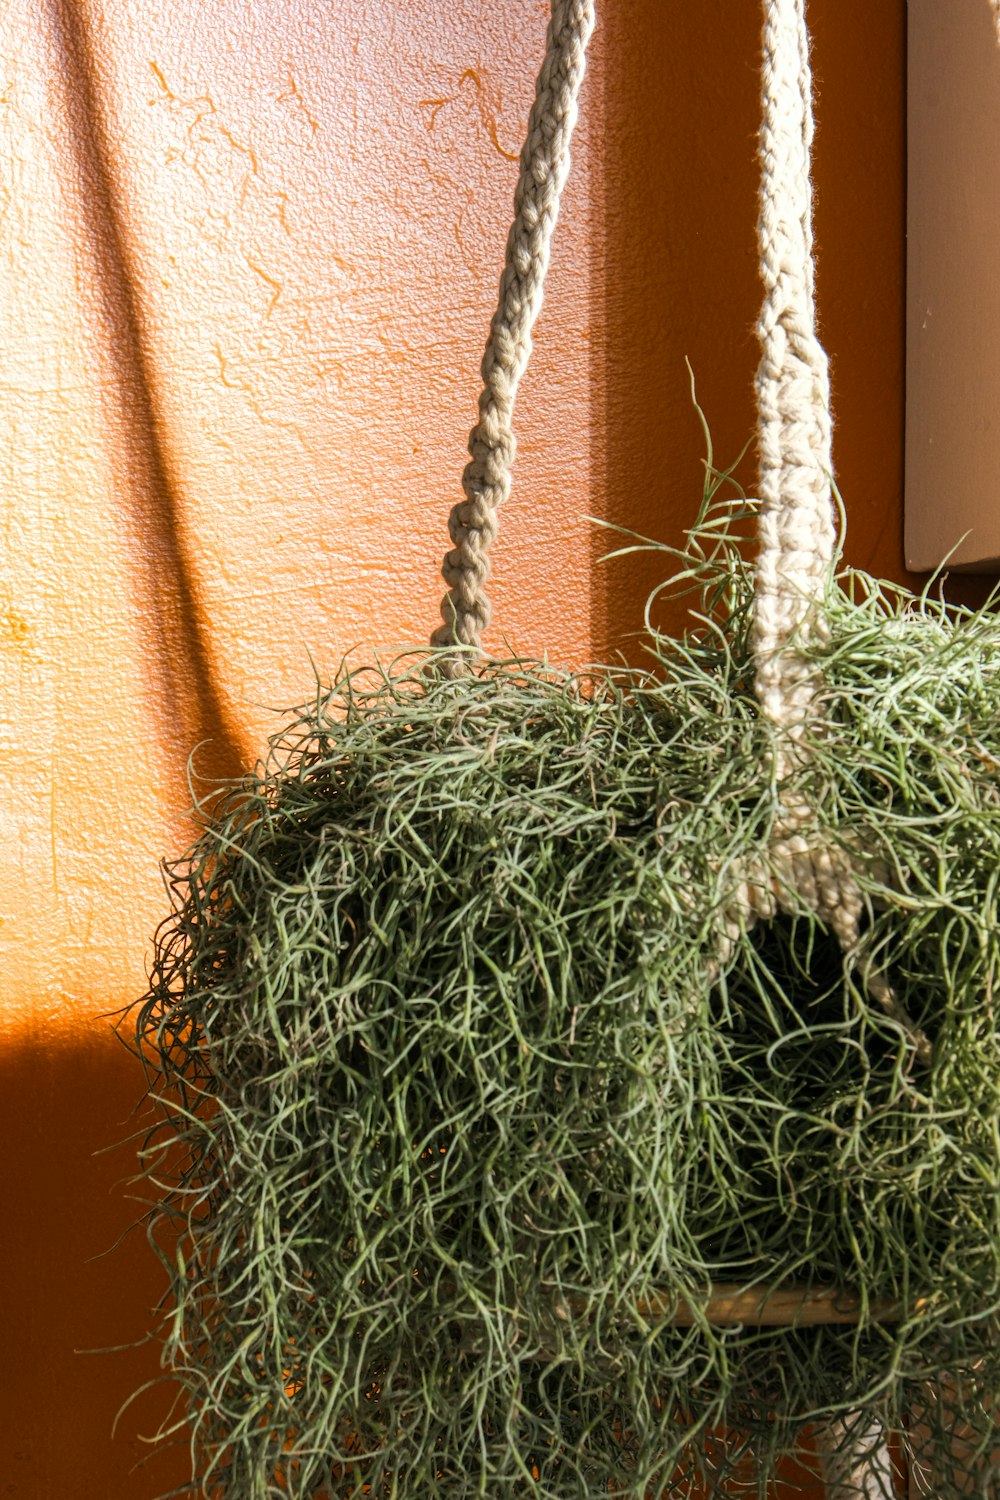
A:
453	1078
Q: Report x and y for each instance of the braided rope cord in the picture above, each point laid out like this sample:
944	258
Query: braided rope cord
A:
797	528
486	481
995	4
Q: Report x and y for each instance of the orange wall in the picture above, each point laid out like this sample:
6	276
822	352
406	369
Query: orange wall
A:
248	256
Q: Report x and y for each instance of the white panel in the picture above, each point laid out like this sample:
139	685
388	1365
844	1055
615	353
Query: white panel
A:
953	287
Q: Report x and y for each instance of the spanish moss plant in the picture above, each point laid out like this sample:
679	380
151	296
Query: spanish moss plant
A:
462	1090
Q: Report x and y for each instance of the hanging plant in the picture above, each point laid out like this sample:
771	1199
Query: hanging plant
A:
588	1084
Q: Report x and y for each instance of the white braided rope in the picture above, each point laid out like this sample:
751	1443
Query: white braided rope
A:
995	4
797	525
465	609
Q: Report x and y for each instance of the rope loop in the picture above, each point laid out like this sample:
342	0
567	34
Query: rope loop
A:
486	480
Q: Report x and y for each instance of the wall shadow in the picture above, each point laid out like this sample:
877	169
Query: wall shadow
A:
674	101
184	695
62	1100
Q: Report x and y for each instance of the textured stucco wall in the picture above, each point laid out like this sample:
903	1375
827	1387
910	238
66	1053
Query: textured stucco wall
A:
248	256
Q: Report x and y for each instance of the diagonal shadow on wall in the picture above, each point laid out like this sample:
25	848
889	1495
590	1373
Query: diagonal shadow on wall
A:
188	704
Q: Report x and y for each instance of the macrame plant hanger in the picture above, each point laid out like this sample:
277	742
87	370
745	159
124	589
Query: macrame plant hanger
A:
433	1228
797	525
797	546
